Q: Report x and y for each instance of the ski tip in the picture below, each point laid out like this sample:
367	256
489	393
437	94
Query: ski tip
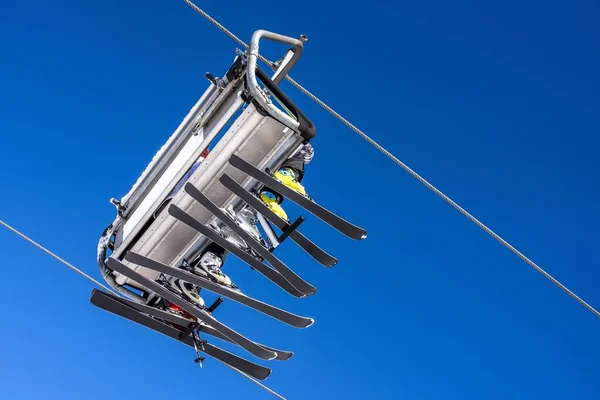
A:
285	356
133	257
312	291
94	296
188	187
173	209
358	234
265	375
302	323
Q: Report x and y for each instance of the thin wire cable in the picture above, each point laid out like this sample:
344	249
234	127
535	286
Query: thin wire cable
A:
227	31
405	167
7	226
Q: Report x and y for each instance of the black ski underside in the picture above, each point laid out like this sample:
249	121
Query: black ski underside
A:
121	308
202	315
281	315
315	251
253	262
284	270
343	226
282	355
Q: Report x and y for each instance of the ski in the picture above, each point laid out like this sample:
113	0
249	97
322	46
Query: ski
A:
282	355
122	308
202	315
185	323
284	270
281	315
312	249
249	259
343	226
165	316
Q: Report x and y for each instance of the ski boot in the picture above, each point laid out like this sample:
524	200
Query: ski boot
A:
210	265
246	219
228	235
189	292
287	176
272	202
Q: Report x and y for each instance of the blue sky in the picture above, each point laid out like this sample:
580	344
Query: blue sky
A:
496	104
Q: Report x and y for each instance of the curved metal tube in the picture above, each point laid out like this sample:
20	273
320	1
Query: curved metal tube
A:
253	86
305	126
106	272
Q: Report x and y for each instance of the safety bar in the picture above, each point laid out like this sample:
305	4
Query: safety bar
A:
305	126
253	86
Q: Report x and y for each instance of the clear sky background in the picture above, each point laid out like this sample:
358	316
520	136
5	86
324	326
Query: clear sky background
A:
495	103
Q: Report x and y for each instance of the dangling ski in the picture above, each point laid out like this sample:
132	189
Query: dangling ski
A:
182	322
281	315
282	355
202	315
343	226
249	259
316	252
122	308
283	269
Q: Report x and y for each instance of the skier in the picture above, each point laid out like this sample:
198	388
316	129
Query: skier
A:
290	174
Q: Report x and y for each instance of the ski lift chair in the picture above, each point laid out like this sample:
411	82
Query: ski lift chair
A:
261	134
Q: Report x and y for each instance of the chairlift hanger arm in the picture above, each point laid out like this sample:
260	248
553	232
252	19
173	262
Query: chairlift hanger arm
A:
253	86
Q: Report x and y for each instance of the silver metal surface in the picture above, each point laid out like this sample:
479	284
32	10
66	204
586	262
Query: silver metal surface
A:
264	141
253	85
165	154
213	127
257	139
268	230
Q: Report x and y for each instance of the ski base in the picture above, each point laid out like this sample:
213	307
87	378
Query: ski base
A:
121	308
253	201
201	314
248	258
279	314
283	269
343	226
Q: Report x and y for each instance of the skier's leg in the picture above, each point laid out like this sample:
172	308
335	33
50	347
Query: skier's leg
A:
296	164
290	174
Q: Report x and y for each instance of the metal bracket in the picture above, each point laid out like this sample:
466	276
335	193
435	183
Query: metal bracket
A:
253	86
268	229
287	231
216	304
190	329
118	205
215	80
